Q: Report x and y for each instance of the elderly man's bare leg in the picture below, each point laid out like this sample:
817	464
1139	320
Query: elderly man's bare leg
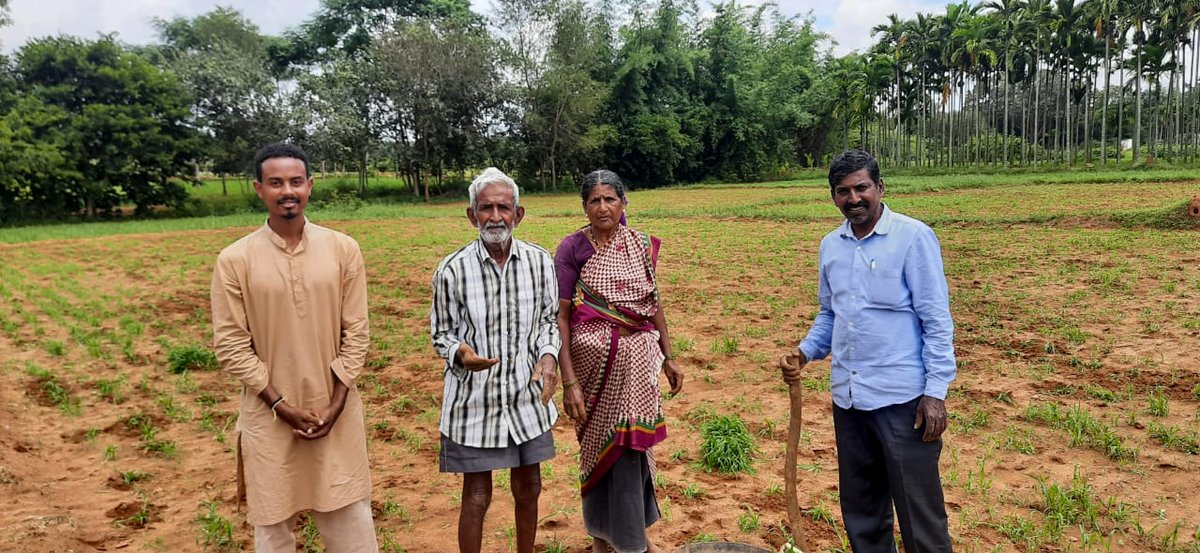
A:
476	498
526	482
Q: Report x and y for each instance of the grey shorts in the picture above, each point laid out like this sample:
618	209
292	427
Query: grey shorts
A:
461	458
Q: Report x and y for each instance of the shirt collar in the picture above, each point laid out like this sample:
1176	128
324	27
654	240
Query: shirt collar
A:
882	226
481	250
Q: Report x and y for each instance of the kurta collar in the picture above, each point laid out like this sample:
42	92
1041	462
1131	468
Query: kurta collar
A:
882	226
282	244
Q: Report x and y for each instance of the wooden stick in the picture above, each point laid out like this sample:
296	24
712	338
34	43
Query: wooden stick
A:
796	395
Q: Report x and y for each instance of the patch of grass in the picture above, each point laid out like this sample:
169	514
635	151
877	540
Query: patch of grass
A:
191	358
693	491
55	347
138	519
749	521
726	445
216	531
1170	217
1021	442
1100	392
1174	438
1084	429
149	433
821	512
173	410
1159	403
53	390
977	419
1066	506
682	344
112	389
129	477
726	345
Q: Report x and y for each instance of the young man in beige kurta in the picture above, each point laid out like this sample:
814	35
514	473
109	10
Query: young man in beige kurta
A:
289	307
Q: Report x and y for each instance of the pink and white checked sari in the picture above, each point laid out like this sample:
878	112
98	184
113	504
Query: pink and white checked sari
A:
615	353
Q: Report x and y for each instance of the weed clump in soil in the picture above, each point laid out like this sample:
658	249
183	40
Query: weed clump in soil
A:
726	445
191	358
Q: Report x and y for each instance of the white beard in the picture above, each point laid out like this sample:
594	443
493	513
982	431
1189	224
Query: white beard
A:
495	235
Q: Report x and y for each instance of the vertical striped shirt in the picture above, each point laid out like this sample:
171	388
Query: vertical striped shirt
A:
509	313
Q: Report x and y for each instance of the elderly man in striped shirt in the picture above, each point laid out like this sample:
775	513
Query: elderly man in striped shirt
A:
493	320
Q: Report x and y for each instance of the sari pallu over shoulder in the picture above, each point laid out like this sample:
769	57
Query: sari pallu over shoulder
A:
614	347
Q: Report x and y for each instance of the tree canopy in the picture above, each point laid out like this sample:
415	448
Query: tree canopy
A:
661	92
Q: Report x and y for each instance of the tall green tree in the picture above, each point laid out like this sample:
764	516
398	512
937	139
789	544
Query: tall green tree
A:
237	103
656	123
438	76
126	134
348	27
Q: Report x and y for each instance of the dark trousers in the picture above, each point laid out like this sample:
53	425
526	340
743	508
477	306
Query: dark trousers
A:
883	462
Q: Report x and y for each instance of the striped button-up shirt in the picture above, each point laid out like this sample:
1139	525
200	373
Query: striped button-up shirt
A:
509	313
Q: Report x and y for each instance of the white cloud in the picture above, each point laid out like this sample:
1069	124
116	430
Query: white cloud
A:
132	19
849	22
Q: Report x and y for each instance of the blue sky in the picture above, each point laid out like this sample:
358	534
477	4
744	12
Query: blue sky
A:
849	22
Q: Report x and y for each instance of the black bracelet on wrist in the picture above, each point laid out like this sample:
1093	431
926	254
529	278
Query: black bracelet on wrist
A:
276	403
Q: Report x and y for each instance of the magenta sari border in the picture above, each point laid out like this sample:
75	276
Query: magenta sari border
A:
633	439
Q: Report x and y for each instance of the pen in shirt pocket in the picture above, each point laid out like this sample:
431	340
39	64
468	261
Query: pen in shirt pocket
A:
872	264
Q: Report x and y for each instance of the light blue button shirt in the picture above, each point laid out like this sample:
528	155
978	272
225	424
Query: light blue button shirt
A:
885	315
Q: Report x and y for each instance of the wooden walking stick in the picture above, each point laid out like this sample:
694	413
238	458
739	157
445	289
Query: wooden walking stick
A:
796	395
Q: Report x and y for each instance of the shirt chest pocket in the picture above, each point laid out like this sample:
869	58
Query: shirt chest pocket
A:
886	288
525	298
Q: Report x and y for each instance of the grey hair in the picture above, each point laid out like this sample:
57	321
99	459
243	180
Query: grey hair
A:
601	176
490	176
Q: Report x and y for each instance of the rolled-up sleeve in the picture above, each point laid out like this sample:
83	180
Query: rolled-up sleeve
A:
926	279
356	333
231	329
443	319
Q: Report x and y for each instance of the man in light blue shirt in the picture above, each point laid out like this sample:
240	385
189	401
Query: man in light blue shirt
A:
885	317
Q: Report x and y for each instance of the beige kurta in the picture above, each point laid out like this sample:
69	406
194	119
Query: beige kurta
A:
291	319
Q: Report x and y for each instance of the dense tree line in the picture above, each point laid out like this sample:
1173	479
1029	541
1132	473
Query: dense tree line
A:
1030	81
663	92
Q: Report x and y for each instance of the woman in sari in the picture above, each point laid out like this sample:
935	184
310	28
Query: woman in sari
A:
614	344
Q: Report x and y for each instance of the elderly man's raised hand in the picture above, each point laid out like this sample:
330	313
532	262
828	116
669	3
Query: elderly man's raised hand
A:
472	361
790	367
546	371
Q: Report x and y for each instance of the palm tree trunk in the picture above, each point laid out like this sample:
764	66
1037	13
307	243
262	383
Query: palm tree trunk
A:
1137	117
1196	95
1170	127
1121	113
1025	126
1037	86
950	125
1104	105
